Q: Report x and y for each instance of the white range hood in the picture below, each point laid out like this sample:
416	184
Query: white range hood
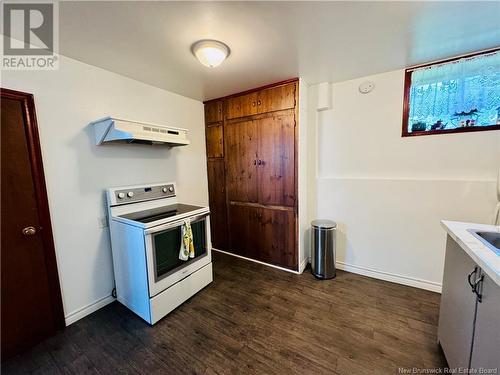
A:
112	129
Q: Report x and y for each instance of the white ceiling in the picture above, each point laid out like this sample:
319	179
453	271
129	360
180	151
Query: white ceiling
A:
270	41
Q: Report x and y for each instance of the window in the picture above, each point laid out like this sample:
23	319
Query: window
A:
457	95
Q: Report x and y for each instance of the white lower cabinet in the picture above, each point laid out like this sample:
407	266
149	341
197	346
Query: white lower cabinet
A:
458	305
486	344
469	316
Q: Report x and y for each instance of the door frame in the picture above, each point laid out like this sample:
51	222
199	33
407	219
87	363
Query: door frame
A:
35	158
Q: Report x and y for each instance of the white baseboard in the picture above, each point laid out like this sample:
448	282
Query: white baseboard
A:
303	265
394	278
365	271
265	264
86	310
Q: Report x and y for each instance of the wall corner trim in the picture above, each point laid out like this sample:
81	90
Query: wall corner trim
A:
303	265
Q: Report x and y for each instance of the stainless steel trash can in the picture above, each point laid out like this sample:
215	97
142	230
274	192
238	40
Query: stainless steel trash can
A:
323	233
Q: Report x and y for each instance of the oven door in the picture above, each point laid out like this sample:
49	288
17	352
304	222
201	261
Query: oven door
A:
162	252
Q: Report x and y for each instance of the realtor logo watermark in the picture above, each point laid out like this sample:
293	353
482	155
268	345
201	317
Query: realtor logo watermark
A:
448	370
30	35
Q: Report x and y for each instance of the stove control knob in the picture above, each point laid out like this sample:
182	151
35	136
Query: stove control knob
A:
130	194
171	189
164	189
121	195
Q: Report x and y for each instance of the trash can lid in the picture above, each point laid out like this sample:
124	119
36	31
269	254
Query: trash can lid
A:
324	224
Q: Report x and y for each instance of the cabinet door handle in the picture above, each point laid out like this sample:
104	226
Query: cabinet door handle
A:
469	278
475	288
259	102
260	162
29	231
255	162
253	104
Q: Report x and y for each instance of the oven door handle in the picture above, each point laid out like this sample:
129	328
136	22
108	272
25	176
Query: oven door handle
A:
174	224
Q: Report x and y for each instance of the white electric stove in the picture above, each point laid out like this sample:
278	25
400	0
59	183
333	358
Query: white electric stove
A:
145	225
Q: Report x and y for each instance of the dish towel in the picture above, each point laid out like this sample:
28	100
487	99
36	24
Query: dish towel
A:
187	245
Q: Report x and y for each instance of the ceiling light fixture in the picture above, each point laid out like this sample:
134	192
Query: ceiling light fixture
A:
209	52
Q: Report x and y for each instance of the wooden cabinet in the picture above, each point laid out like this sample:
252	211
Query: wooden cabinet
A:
268	100
256	142
241	147
264	234
214	137
217	201
244	230
214	134
277	237
276	98
261	160
240	106
213	112
276	160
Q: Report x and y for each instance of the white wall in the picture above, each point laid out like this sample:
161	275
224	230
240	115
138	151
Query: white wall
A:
77	171
303	170
389	193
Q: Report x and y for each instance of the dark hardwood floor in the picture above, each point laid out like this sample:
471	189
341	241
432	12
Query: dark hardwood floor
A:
255	319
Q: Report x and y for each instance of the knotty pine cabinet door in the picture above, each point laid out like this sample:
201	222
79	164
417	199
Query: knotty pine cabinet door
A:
241	143
276	98
244	230
213	112
261	160
264	101
217	202
277	237
243	105
276	160
215	140
264	234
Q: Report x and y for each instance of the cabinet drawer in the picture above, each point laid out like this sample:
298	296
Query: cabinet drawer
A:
240	106
215	148
213	112
276	98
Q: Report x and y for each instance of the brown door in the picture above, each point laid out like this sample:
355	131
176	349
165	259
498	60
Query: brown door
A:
276	164
276	236
31	299
241	158
217	197
244	228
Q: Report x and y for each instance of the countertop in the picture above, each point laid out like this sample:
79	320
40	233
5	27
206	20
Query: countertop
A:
484	257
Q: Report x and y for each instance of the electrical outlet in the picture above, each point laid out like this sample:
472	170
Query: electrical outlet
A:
102	222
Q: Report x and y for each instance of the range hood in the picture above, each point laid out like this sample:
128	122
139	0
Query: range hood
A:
112	129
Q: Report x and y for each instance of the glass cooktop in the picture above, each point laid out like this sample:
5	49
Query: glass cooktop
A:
147	216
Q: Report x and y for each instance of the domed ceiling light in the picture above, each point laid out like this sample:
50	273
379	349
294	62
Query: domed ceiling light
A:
209	52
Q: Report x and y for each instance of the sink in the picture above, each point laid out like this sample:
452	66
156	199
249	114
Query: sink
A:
490	239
